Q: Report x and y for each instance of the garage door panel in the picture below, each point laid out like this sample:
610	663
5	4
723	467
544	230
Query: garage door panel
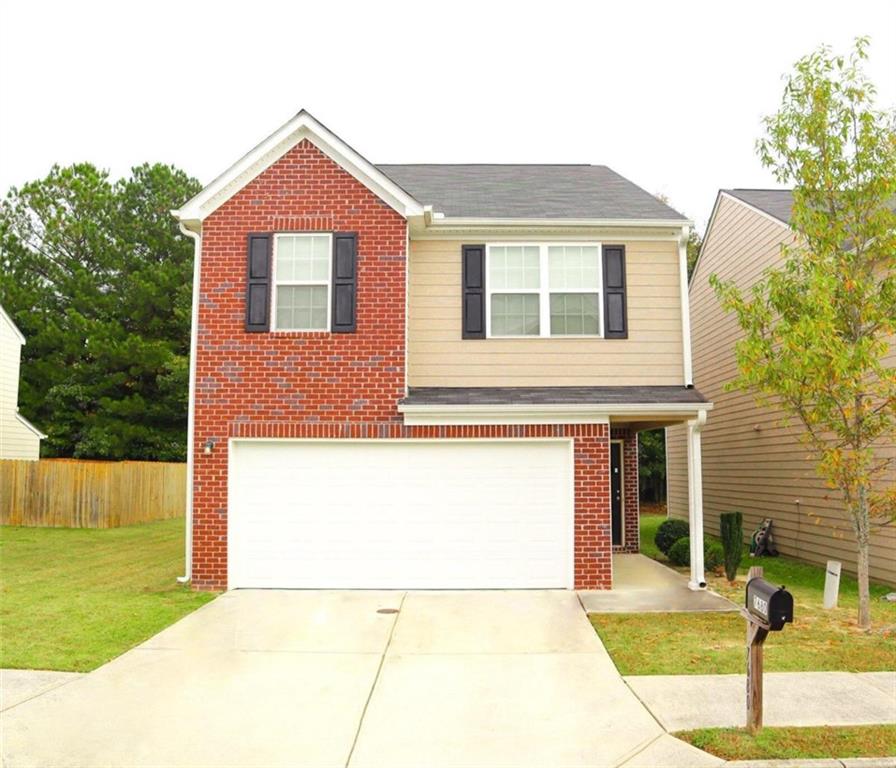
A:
397	514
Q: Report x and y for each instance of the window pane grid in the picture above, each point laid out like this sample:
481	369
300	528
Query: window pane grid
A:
302	307
574	314
574	267
303	259
515	314
514	267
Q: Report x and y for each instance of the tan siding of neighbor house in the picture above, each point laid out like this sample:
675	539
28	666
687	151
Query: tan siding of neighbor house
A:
438	356
751	462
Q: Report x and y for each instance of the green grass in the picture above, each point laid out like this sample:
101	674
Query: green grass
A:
72	599
713	643
794	743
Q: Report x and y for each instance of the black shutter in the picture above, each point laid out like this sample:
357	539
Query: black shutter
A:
258	283
473	307
615	313
345	282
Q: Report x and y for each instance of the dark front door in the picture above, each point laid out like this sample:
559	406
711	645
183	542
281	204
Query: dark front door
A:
616	490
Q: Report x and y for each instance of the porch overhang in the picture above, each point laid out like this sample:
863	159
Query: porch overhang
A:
630	407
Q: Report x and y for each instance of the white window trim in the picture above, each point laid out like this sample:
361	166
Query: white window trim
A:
275	283
544	291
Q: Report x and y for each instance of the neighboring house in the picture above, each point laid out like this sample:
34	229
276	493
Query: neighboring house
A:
19	439
750	462
413	376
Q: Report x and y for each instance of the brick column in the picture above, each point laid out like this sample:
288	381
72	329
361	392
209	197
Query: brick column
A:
593	534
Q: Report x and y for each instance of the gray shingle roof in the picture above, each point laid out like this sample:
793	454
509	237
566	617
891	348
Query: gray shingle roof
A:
552	395
775	202
528	192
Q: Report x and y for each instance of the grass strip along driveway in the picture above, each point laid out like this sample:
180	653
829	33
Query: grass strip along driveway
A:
795	743
713	643
72	599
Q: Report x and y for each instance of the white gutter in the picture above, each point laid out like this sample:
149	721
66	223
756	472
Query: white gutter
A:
194	343
438	222
685	307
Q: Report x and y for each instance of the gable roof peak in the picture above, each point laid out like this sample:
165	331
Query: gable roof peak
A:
303	125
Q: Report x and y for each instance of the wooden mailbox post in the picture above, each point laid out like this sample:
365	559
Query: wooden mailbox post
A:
768	608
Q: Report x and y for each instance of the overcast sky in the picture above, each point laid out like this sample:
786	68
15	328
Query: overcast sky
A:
669	94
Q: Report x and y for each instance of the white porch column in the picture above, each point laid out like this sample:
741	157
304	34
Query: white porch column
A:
695	500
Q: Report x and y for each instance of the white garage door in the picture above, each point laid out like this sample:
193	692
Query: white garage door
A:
397	514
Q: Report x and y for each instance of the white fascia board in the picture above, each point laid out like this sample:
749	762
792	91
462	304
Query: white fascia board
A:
302	126
552	413
30	426
461	221
435	228
15	329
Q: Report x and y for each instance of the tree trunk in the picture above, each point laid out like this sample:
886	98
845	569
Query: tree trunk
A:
862	540
864	594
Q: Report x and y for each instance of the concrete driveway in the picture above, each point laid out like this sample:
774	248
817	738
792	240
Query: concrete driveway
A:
302	678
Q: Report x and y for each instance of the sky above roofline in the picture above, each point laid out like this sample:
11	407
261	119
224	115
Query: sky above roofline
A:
669	96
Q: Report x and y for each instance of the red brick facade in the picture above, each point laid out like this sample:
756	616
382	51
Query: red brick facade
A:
317	384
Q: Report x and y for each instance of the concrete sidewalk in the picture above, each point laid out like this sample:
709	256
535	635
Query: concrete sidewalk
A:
19	685
642	585
685	702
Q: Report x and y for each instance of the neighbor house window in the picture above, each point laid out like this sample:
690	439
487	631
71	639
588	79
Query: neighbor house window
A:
544	290
302	270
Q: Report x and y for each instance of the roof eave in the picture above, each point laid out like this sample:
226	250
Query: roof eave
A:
484	221
547	413
40	435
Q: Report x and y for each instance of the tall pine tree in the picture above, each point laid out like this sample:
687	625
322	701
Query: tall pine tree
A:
98	278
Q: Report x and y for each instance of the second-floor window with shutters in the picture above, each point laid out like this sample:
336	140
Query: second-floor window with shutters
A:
301	282
544	290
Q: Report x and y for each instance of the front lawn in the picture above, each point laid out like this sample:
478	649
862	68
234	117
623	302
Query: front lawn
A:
794	743
713	643
72	599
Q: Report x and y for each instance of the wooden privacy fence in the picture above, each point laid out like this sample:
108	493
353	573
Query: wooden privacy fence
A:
69	493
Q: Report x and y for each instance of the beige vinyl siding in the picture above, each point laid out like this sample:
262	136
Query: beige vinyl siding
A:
16	440
751	462
438	356
677	470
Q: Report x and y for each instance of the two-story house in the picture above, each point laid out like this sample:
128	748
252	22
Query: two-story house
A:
427	376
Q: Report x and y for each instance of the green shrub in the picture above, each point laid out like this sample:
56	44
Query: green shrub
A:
713	554
731	529
668	533
680	552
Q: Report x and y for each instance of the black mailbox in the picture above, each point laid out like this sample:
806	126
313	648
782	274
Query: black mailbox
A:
769	604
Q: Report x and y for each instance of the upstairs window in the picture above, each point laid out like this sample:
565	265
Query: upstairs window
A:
301	291
543	290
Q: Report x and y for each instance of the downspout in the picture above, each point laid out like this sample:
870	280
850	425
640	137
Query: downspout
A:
194	343
695	500
685	306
